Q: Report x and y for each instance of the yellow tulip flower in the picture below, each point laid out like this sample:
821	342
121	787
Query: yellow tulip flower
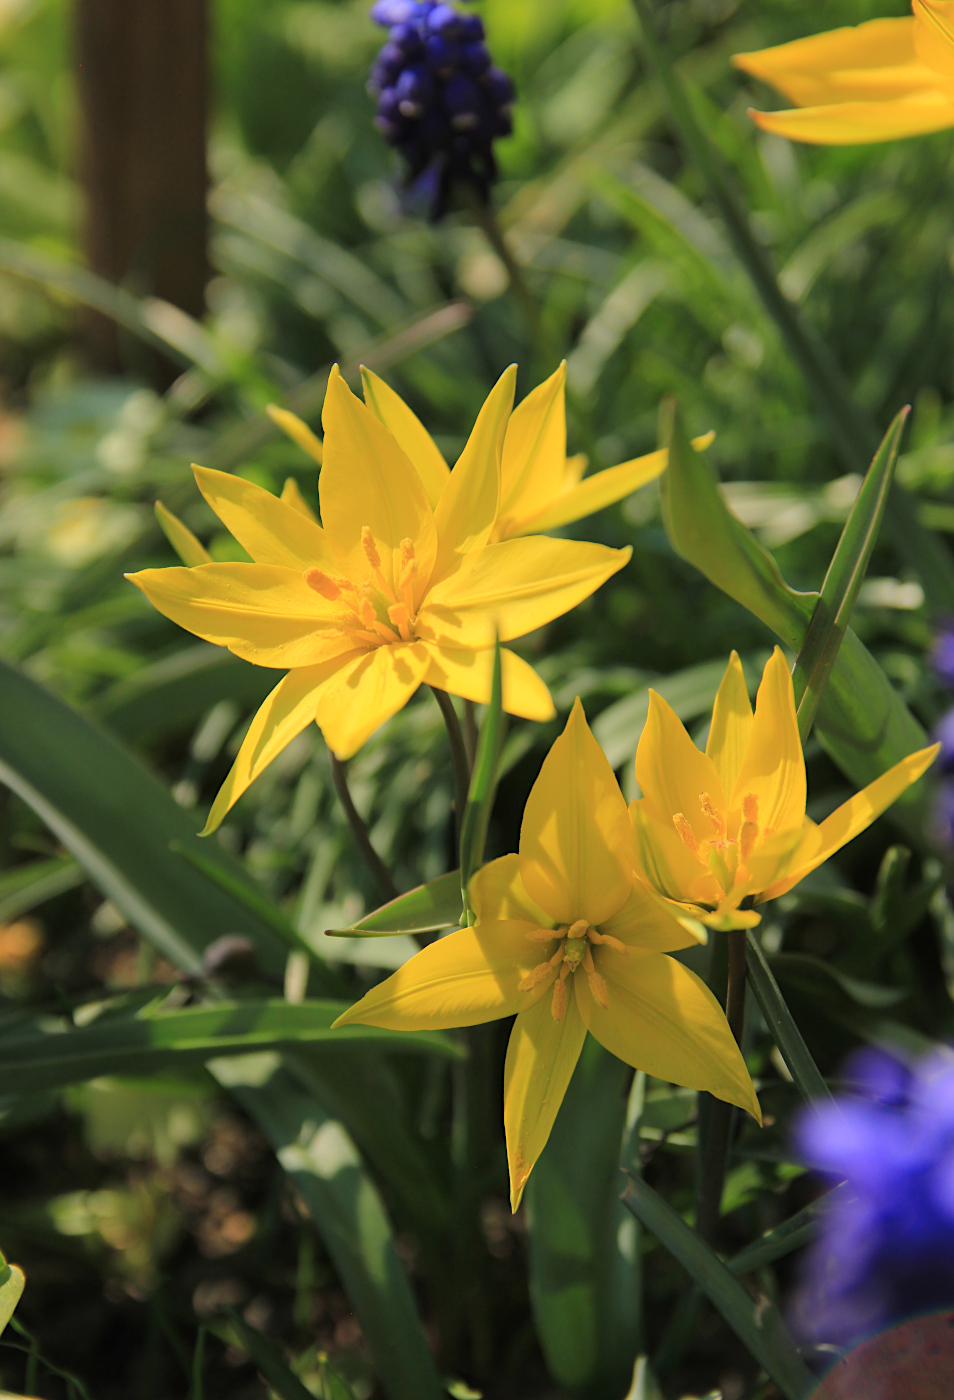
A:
395	590
718	829
568	941
879	81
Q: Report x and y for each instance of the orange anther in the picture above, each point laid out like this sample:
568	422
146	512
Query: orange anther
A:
322	583
534	977
366	613
370	548
408	561
715	817
747	838
577	929
686	833
608	939
558	1005
750	808
542	935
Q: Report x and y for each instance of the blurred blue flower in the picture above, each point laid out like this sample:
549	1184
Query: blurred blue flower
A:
886	1250
942	655
441	102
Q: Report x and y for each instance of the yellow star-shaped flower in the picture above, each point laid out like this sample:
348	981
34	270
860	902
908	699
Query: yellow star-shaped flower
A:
716	829
879	81
568	941
395	589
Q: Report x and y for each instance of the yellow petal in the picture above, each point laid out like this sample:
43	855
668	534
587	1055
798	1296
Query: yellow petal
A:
470	674
410	432
189	549
672	773
934	34
731	726
299	432
291	495
534	451
266	615
853	817
595	493
272	531
515	587
575	838
367	692
665	862
647	922
467	508
367	480
862	123
874	61
663	1019
464	979
774	766
541	1058
287	711
497	892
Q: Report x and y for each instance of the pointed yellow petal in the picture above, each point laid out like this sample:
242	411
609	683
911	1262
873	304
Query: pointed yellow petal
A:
541	1058
934	35
288	710
534	452
575	838
298	431
870	62
266	615
672	773
464	979
774	766
470	674
595	493
731	726
410	432
646	922
367	480
862	123
272	531
515	587
291	495
663	1019
853	817
467	509
367	692
497	892
189	549
665	862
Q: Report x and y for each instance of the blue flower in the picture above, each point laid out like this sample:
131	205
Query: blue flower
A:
886	1250
943	655
441	102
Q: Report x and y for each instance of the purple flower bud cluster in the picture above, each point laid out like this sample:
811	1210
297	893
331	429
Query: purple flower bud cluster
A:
441	102
942	656
886	1250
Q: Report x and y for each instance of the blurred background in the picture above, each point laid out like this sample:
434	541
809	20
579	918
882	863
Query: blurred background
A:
197	217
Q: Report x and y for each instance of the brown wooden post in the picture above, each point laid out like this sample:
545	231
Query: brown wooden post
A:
143	79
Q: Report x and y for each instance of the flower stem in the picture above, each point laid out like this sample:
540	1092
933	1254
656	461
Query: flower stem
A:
379	872
718	1119
486	218
458	752
470	731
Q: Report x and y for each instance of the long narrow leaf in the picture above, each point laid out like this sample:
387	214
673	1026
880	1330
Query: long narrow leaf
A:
244	892
843	581
483	786
781	1024
756	1323
27	886
271	1363
426	909
792	1234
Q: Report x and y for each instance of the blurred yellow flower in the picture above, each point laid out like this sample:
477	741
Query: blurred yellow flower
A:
718	828
880	81
568	940
397	590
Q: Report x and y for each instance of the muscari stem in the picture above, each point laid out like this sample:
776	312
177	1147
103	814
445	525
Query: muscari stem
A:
379	872
458	752
715	1153
486	218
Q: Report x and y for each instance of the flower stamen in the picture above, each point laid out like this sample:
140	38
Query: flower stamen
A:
597	985
323	583
715	817
686	833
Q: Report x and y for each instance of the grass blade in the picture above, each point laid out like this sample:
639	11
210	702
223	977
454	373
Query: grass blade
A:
483	786
26	886
755	1322
272	1365
798	1230
781	1024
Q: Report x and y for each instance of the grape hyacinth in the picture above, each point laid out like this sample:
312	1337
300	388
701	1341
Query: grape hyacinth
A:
441	102
942	657
886	1250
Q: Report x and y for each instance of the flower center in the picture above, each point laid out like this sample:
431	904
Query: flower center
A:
575	950
724	859
379	613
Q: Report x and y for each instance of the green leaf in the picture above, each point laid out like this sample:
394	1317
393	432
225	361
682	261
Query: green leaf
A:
272	1365
41	1057
426	909
781	1024
171	695
755	1322
483	785
862	721
26	886
844	578
12	1284
244	892
584	1284
798	1230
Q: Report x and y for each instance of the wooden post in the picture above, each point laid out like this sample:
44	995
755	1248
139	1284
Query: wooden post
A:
143	79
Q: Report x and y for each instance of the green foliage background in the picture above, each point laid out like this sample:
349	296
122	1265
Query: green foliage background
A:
143	1209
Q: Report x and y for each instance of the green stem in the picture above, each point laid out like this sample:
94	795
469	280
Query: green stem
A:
379	872
853	433
458	752
715	1153
470	731
782	1027
486	218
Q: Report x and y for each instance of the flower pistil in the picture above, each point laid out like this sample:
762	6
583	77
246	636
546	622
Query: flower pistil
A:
575	951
